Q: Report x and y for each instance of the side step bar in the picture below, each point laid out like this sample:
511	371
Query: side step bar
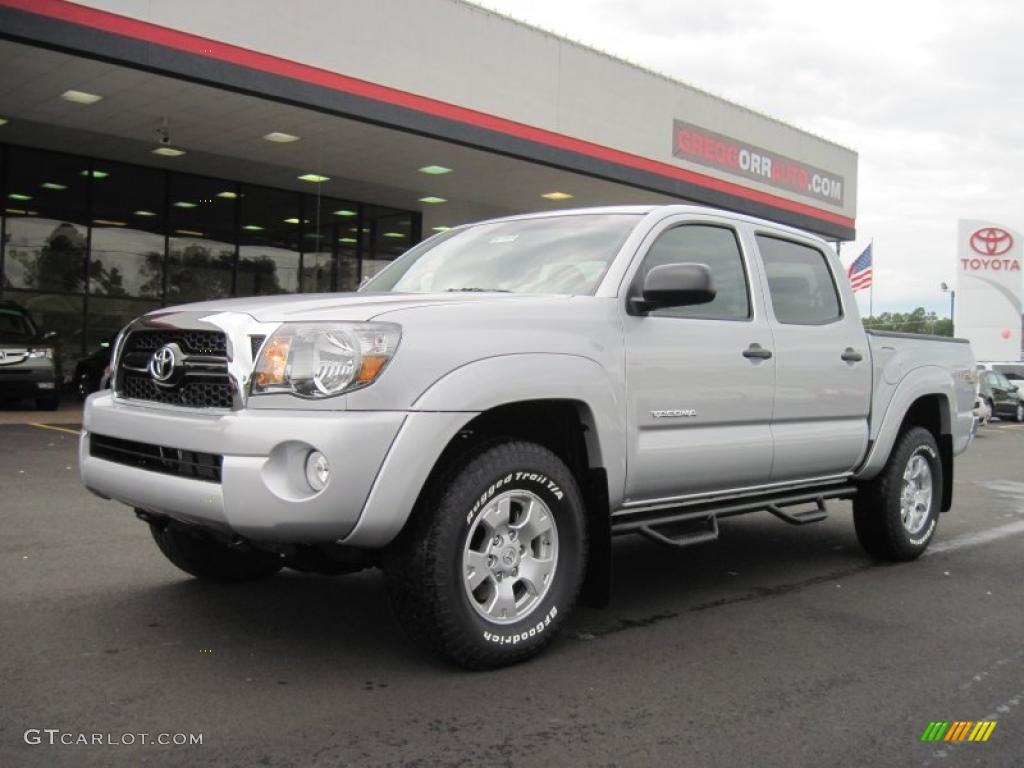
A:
697	523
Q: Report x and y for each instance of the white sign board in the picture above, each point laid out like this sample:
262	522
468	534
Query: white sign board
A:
988	289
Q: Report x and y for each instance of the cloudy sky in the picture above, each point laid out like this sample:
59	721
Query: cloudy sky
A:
930	94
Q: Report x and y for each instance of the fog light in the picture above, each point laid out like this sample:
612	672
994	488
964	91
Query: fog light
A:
318	470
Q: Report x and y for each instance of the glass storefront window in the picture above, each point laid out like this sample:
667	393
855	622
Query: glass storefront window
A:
269	234
127	253
330	258
90	244
47	225
390	234
201	229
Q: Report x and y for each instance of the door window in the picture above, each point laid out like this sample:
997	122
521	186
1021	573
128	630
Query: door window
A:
719	249
800	282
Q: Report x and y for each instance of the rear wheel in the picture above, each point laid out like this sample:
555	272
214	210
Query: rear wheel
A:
210	560
487	570
896	513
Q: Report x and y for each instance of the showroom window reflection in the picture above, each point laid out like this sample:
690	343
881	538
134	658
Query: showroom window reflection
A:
89	244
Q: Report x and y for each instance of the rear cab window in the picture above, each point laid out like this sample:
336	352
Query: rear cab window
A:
800	282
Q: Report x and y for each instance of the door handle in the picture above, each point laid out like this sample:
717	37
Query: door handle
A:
851	355
757	352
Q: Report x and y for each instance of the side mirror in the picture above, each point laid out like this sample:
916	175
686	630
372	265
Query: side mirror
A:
674	285
1013	389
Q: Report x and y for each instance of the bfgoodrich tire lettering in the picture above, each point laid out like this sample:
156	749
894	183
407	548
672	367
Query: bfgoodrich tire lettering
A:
896	513
427	568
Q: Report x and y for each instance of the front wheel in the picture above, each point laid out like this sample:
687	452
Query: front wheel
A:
896	513
491	564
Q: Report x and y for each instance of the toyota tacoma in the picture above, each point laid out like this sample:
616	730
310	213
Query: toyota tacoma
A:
490	410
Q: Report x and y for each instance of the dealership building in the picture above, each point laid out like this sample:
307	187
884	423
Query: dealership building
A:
153	153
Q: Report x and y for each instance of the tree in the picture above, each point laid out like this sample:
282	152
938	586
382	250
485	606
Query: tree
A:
918	321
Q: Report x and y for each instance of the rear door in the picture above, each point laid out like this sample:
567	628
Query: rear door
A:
698	408
823	366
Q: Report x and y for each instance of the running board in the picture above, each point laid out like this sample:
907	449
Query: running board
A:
697	523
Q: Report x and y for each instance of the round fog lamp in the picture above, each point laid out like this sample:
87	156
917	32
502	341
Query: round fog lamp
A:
318	470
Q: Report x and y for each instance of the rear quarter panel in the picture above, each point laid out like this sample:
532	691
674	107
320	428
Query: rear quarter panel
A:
906	368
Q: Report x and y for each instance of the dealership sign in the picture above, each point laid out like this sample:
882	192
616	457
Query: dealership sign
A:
715	150
988	306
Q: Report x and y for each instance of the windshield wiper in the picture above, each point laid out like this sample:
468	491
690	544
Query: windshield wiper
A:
477	290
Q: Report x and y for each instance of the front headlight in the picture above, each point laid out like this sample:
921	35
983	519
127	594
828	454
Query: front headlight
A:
46	352
317	360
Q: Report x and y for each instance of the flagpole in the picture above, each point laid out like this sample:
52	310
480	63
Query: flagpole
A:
871	295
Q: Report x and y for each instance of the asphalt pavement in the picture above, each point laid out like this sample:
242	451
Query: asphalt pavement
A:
775	646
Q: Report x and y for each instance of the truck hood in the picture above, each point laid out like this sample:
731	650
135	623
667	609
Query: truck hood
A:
340	306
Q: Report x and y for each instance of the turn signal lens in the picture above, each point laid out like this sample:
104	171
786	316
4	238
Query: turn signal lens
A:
273	363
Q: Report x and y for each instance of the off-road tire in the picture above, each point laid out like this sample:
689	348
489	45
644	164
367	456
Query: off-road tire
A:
425	571
208	559
877	512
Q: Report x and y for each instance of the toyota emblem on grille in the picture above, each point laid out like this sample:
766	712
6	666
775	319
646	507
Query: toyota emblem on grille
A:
164	363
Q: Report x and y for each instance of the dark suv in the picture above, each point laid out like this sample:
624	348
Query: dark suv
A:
1001	394
29	365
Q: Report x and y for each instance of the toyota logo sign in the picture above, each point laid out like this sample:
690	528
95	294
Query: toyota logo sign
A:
164	363
991	241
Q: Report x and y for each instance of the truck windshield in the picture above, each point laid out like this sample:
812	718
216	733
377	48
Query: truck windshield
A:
15	324
550	255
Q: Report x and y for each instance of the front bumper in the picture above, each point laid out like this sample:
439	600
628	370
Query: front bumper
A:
20	381
262	495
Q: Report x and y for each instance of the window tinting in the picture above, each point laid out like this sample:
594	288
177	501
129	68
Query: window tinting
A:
269	242
800	282
47	221
127	248
716	247
201	247
90	244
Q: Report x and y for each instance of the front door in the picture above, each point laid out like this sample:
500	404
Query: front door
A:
699	379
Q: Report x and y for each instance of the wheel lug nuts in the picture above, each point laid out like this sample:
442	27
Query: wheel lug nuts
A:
515	571
512	536
496	541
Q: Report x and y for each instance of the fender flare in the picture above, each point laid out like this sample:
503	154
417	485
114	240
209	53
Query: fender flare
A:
453	400
917	383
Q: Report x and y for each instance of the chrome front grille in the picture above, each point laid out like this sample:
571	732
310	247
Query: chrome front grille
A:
201	380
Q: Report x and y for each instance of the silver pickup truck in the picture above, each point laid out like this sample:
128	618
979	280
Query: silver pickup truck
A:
492	408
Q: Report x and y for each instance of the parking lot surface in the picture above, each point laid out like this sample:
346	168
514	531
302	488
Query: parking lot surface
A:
777	646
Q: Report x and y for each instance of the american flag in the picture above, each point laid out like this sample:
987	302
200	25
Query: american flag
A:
860	271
